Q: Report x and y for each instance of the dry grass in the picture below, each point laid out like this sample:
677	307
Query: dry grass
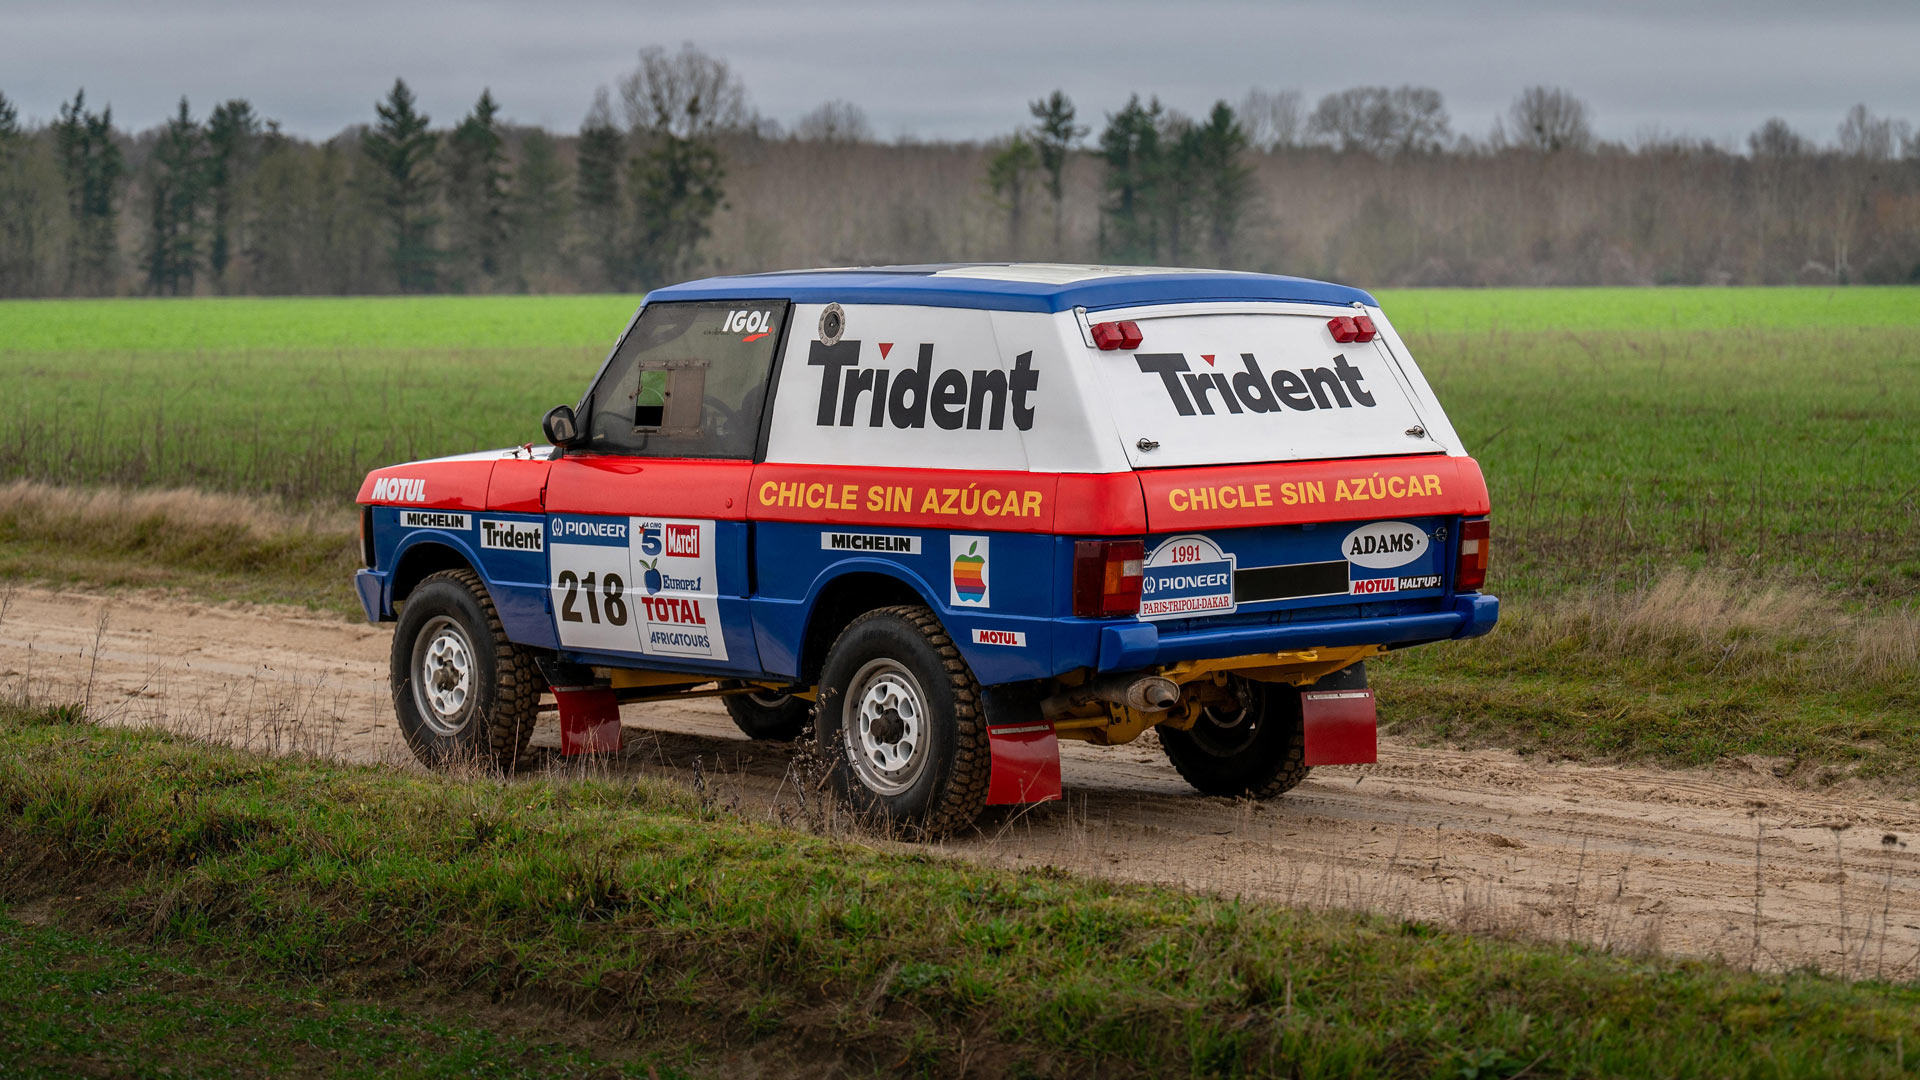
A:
1719	622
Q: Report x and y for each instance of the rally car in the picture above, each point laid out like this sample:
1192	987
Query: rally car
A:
939	518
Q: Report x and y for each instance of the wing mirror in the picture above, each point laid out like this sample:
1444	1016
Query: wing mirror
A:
560	427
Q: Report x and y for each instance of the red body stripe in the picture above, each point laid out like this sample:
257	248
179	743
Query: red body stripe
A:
1303	492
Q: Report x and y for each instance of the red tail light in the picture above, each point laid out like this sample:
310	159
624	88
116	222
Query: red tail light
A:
1116	335
1347	328
1475	536
1106	577
1362	328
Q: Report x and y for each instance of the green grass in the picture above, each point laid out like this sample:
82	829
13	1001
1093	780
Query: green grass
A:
636	904
1426	311
76	1003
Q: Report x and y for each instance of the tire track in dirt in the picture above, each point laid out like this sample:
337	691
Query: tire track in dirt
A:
1625	857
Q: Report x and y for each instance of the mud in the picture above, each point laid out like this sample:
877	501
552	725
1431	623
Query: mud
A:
1735	863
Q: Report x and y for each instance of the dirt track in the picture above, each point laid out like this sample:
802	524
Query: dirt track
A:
1631	858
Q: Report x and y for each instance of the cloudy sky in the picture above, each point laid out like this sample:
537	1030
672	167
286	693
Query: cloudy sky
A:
1710	68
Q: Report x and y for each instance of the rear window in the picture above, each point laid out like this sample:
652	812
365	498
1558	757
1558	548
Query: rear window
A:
689	380
1206	389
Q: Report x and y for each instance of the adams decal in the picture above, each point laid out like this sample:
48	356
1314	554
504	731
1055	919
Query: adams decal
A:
1186	575
1384	545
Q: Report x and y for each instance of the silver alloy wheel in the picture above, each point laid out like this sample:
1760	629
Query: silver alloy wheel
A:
884	725
443	675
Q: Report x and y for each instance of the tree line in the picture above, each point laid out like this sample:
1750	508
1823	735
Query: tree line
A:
673	174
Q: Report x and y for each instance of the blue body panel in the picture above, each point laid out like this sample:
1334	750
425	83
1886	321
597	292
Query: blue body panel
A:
920	286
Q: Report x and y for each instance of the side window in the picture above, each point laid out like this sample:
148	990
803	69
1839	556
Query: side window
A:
690	380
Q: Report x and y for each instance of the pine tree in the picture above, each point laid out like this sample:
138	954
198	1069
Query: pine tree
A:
1054	138
1007	174
676	189
1131	150
476	184
1216	157
20	212
596	189
539	211
400	149
176	188
91	167
233	151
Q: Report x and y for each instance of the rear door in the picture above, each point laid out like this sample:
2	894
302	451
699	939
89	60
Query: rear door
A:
1283	470
1242	385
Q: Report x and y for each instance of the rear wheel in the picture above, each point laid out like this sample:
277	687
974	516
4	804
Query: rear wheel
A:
461	690
1254	747
900	723
769	714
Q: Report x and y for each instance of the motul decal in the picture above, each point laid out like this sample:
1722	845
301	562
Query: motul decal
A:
1015	638
399	489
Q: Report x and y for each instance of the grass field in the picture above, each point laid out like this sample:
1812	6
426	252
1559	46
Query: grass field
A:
635	905
1706	501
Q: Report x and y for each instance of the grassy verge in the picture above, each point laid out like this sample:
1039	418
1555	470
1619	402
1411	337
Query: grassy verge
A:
76	1004
636	903
205	545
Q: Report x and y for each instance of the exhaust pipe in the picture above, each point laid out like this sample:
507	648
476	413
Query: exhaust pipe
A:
1145	693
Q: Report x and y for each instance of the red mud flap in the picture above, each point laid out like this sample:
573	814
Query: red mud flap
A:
1026	764
589	720
1340	727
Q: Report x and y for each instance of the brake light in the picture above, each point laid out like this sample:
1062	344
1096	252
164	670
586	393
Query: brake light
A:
1347	328
1108	336
1106	577
1475	537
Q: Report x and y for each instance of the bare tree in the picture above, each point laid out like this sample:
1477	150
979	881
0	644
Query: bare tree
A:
687	94
1383	121
1549	120
1774	139
1273	119
1874	138
835	122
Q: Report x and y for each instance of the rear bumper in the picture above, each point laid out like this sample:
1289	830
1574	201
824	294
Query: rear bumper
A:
1139	645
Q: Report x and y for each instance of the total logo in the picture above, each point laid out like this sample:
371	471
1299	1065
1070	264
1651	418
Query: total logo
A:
399	489
970	582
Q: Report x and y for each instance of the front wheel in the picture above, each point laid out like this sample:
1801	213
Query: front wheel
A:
900	723
461	690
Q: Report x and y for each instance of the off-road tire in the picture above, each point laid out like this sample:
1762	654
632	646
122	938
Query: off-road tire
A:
493	731
1267	759
948	792
766	715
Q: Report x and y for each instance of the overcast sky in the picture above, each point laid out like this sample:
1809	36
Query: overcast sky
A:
1710	68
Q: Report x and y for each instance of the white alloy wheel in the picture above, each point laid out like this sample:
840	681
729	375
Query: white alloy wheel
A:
443	676
885	727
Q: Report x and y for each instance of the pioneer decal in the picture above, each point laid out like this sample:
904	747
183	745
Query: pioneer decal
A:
1187	575
907	398
434	519
1251	390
